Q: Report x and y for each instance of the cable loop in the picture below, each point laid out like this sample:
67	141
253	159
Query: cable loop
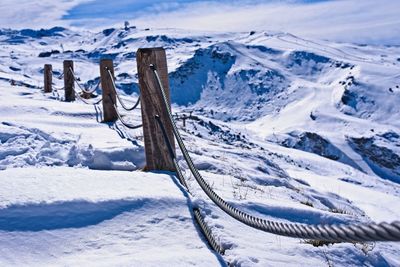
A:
127	125
118	96
331	233
81	87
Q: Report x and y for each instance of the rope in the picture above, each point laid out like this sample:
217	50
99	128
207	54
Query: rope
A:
118	96
332	233
80	86
127	125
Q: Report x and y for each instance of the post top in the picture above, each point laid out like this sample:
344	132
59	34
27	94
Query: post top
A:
104	60
150	49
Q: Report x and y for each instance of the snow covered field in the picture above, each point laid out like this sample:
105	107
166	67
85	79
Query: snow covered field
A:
286	128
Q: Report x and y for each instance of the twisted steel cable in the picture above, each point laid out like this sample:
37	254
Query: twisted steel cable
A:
171	153
54	92
331	233
56	88
127	125
196	211
81	87
118	96
85	101
207	232
59	76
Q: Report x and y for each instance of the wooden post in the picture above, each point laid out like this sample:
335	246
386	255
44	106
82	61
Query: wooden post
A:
157	154
48	78
69	83
109	112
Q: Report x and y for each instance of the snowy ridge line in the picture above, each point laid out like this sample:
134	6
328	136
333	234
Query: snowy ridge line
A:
127	125
331	233
118	96
80	86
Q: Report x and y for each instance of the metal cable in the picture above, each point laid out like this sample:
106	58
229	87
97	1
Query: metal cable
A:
118	96
56	88
171	153
85	101
207	232
127	125
59	76
80	86
332	233
56	94
196	211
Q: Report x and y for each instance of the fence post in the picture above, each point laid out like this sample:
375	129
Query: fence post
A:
157	155
69	83
109	112
48	78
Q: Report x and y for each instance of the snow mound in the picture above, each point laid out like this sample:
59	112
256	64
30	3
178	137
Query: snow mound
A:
21	147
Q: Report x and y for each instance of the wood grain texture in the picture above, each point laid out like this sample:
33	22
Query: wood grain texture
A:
48	78
109	113
69	84
157	155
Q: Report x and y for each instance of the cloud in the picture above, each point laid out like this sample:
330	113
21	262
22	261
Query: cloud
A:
34	13
367	21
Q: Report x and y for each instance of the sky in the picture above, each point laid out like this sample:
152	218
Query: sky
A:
356	21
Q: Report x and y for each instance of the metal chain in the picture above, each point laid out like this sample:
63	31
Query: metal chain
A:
332	233
118	96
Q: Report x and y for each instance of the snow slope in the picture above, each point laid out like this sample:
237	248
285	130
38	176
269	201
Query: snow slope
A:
76	217
285	128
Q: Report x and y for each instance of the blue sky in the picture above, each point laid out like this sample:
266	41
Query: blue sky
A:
357	21
127	9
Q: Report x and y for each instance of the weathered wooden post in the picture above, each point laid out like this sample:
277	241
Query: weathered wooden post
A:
157	154
69	84
48	78
108	92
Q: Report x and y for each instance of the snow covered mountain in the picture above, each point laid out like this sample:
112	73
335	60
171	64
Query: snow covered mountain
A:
283	127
